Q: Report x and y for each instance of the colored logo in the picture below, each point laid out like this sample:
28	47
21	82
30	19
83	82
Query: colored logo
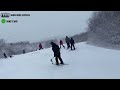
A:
3	21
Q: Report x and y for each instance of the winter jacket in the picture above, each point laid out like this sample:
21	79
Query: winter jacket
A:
55	49
72	41
61	42
67	40
40	45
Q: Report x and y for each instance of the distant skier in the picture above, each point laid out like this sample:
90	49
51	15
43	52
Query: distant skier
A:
23	51
61	44
11	56
40	46
56	51
72	42
5	55
68	42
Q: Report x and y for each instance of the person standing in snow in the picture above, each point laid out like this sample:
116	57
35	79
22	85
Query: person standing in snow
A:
72	42
61	44
11	56
40	46
5	55
68	42
56	51
24	51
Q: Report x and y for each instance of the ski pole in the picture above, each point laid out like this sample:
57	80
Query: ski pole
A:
51	60
53	57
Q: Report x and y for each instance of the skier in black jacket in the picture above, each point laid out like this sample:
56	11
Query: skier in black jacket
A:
68	42
72	43
5	55
56	51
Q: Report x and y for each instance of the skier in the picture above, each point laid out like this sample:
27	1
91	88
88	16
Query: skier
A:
23	51
40	46
68	42
61	44
72	43
11	56
56	51
5	55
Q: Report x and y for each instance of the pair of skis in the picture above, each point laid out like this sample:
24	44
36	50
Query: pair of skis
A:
58	64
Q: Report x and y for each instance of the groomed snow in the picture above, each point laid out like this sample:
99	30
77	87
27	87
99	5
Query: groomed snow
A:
86	62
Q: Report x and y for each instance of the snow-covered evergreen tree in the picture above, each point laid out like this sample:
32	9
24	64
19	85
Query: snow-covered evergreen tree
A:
104	28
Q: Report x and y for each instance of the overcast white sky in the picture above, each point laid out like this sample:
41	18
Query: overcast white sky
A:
43	25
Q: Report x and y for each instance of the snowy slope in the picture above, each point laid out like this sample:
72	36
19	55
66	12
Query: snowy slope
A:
86	62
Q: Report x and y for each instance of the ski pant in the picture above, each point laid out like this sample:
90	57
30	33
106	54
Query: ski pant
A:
62	45
40	48
58	57
72	45
68	45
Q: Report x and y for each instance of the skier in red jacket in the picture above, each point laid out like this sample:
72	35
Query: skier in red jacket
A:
61	44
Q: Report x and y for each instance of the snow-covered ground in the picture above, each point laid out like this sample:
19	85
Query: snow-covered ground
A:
86	62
